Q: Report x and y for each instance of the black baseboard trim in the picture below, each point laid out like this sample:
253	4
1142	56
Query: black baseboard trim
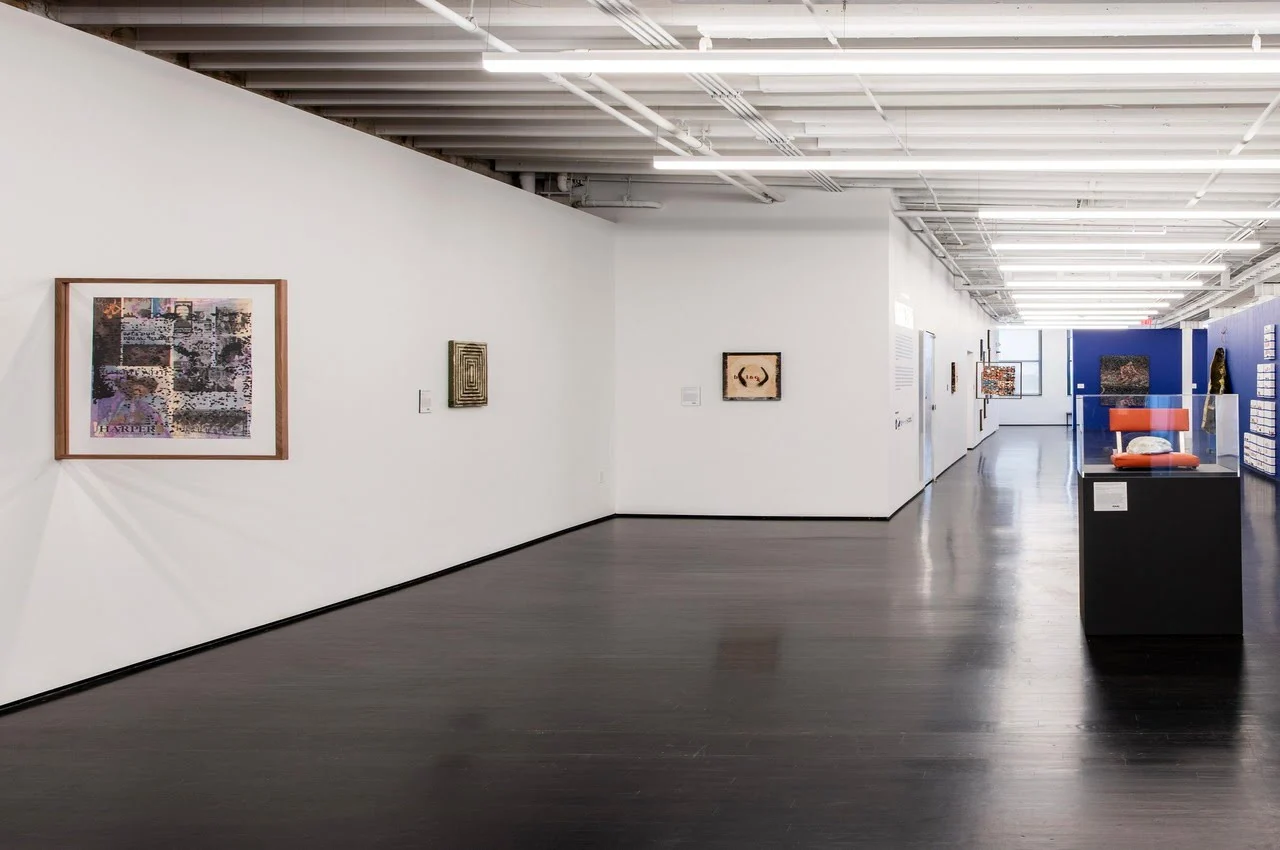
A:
128	670
762	517
777	518
951	465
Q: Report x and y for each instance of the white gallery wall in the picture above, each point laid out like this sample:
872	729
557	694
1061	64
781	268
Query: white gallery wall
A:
924	286
119	165
816	278
1053	404
714	274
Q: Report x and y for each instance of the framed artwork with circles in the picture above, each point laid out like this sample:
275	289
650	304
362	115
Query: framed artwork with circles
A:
755	376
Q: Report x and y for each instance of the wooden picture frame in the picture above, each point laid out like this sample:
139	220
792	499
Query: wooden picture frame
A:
751	376
71	392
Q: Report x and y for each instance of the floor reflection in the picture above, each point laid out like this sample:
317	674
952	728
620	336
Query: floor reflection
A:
718	685
1164	698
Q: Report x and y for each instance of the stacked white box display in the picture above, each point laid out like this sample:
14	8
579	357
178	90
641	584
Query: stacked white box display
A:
1266	380
1260	453
1262	417
1259	443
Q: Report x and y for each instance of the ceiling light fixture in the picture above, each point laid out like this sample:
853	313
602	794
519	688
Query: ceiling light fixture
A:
1078	326
915	63
1105	305
1151	268
1173	245
1146	297
913	165
1091	214
1102	284
1066	315
1136	232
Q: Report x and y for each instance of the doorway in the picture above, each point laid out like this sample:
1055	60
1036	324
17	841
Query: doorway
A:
927	406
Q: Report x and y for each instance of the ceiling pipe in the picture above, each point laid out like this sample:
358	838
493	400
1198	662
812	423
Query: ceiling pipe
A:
1244	232
750	185
893	131
622	204
650	33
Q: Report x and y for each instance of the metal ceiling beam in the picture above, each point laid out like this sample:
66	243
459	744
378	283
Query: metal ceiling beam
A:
414	82
172	44
461	62
888	20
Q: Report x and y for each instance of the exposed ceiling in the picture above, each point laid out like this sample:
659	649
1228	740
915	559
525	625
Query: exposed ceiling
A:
404	71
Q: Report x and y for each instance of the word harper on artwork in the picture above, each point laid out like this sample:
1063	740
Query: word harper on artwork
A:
172	368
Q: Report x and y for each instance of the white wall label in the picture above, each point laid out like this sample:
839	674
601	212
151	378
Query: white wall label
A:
424	401
1111	496
691	396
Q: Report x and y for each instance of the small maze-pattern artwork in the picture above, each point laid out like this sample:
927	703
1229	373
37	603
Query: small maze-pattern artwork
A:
468	374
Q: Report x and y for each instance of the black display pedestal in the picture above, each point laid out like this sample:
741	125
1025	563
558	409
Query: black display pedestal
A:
1170	564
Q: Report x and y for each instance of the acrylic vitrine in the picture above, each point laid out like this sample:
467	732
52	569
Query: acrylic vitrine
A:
1157	435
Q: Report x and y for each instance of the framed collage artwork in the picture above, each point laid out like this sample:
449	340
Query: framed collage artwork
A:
180	369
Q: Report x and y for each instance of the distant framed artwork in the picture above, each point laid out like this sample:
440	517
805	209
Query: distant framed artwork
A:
1124	379
999	380
955	380
982	352
468	374
755	376
173	369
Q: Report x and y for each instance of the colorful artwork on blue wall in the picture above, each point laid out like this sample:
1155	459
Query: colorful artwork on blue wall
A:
1126	378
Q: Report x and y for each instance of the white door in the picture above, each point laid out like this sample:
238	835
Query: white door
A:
927	406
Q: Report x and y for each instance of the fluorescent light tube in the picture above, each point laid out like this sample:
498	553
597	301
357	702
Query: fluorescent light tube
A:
1075	317
1092	314
1096	297
1152	268
1090	214
1076	305
1119	305
913	165
1172	245
1087	310
914	63
1104	285
1087	231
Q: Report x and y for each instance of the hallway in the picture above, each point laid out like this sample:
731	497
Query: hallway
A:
920	683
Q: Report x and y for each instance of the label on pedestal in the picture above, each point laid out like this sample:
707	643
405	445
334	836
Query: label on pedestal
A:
1111	496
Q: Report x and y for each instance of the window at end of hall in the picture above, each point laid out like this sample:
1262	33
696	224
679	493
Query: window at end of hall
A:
1022	345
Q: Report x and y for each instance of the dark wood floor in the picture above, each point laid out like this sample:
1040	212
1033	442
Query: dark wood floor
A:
700	684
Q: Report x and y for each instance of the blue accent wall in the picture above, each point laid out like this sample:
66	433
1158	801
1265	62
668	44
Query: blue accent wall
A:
1200	355
1162	346
1241	335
